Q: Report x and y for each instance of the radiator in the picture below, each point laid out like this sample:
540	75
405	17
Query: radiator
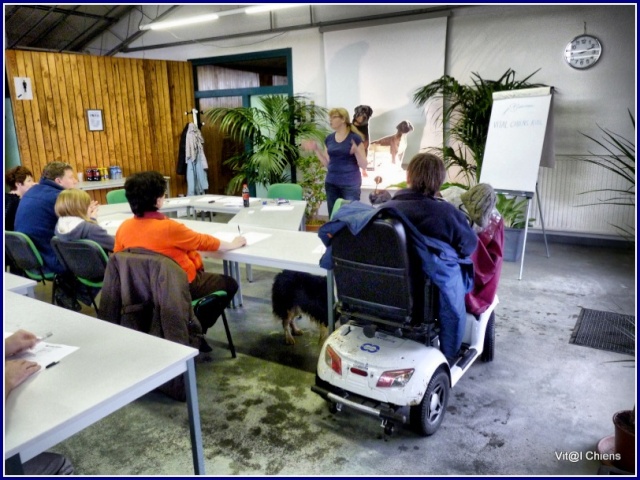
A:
561	196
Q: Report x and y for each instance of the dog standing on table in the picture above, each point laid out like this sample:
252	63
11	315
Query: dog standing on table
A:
296	293
396	142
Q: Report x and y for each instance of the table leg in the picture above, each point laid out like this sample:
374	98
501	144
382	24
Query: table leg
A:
194	417
236	268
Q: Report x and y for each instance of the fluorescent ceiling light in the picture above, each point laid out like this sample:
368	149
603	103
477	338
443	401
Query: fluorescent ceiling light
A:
267	8
180	23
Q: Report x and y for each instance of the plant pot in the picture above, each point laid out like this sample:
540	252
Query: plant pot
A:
625	439
513	244
313	226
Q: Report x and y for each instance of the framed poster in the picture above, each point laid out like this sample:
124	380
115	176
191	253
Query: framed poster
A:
94	120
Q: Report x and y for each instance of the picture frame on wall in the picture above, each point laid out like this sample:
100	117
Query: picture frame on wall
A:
94	120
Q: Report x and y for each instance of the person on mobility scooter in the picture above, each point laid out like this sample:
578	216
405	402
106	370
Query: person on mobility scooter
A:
405	337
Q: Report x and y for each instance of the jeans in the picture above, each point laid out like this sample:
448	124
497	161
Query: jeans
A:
334	192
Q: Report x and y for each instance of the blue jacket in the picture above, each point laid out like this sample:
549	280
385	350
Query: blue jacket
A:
36	217
452	274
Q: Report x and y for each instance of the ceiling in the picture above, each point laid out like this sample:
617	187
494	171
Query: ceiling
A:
74	28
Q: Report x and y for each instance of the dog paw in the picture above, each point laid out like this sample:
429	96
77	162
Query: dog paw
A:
289	340
297	332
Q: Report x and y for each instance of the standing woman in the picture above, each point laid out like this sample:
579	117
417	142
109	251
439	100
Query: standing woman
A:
344	156
18	180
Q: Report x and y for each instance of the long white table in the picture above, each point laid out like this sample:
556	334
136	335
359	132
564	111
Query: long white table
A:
283	249
113	366
18	284
260	213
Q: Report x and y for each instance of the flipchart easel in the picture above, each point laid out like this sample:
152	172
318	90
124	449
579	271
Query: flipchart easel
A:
519	142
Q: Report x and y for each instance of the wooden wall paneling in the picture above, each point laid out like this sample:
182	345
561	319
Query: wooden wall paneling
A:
57	85
43	129
97	136
115	96
140	119
69	137
111	104
68	99
124	119
133	154
78	114
151	110
145	97
31	152
100	70
83	102
93	64
50	95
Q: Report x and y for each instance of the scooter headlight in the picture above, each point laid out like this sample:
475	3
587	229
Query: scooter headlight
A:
395	378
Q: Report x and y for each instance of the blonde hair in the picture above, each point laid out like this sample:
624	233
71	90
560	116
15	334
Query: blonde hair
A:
73	203
342	113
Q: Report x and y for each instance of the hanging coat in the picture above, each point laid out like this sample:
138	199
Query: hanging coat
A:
197	181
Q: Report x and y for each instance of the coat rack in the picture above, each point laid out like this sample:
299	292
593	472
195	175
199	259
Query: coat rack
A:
195	113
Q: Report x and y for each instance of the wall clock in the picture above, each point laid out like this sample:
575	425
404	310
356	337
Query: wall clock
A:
582	52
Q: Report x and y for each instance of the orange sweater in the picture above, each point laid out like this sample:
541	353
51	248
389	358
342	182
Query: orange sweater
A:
160	234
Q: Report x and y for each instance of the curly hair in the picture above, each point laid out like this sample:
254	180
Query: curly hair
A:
143	190
16	175
426	173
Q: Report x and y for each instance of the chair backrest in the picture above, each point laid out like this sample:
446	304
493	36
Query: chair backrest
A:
116	196
336	206
25	255
288	191
374	276
85	259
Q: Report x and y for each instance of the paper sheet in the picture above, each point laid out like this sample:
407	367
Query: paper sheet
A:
277	208
252	237
110	223
211	198
43	353
174	202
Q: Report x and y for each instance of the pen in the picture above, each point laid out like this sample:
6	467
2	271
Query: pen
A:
45	336
239	231
51	364
211	201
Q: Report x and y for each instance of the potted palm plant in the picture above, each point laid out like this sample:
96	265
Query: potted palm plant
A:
620	159
272	133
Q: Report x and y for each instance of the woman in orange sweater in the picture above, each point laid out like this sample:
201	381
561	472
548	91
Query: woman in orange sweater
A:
152	230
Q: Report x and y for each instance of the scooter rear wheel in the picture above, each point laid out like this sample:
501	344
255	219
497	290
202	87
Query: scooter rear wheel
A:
427	417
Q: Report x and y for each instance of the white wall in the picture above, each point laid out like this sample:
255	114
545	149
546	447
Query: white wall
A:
488	40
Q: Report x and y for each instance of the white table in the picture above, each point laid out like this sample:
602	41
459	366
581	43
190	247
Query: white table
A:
113	367
18	284
283	249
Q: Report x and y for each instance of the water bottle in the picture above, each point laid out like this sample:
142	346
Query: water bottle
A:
245	195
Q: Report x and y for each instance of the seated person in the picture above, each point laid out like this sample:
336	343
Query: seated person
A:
16	372
152	230
77	215
479	203
435	218
18	181
36	216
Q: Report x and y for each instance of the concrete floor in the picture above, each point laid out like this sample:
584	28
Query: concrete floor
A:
540	399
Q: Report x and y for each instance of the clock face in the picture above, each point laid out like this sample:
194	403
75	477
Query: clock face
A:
583	51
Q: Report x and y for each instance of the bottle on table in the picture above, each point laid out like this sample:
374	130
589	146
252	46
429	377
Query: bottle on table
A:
245	195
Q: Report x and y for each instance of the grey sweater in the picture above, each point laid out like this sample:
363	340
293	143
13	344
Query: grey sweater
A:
75	228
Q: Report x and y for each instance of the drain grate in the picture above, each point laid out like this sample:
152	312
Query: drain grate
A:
605	331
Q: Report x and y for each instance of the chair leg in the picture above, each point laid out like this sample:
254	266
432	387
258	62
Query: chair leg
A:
226	329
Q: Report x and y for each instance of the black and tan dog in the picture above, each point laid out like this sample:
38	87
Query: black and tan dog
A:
296	293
